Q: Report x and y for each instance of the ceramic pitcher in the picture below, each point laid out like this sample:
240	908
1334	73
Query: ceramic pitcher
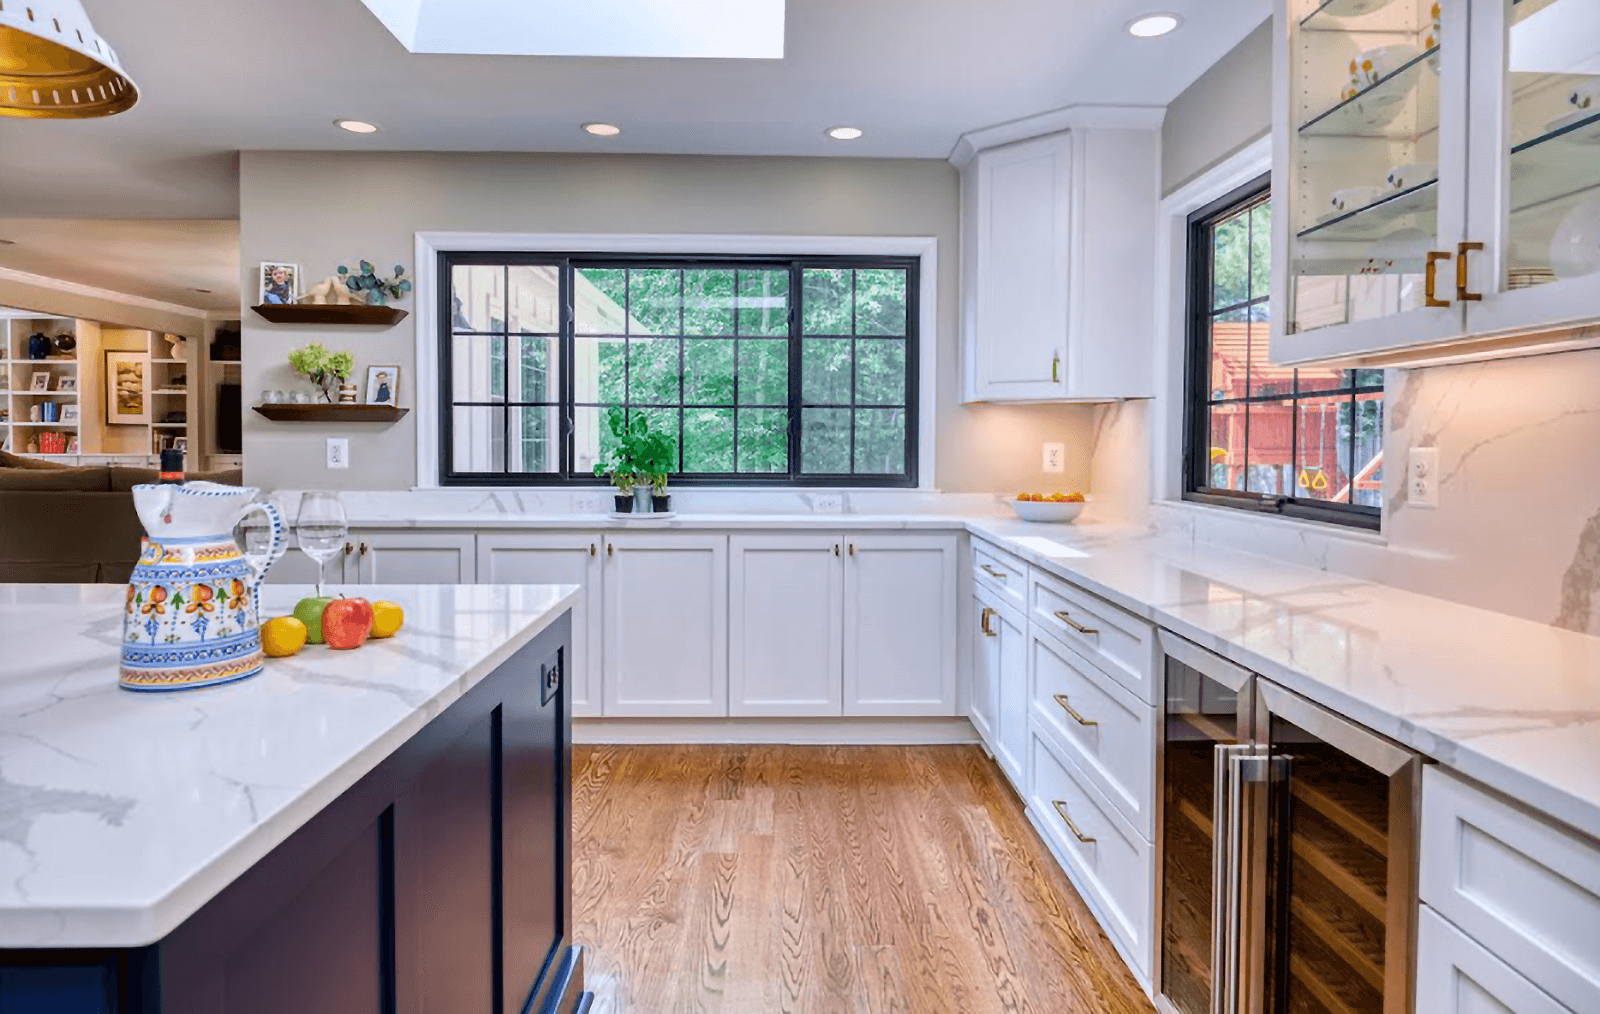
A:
192	617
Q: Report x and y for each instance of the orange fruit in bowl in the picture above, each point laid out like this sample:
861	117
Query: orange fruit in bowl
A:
1058	498
1074	498
1022	496
282	636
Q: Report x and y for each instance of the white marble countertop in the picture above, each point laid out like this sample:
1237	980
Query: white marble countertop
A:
121	814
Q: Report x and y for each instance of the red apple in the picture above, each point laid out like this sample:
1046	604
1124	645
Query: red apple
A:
347	622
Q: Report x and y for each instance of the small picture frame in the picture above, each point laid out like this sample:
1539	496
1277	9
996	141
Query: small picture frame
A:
280	282
72	446
67	385
383	385
180	444
40	382
69	413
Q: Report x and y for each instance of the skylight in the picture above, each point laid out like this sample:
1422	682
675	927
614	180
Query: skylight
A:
705	29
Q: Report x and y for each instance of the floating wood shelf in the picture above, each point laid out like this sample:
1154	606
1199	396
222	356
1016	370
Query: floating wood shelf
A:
330	313
332	413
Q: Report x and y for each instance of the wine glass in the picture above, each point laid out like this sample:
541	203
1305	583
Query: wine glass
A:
321	529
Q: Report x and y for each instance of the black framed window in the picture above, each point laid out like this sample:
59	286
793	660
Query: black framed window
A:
766	370
1306	443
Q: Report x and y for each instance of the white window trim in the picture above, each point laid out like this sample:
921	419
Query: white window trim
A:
430	244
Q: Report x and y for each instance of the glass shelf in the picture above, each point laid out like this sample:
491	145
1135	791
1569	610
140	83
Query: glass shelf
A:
1351	118
1378	219
1320	20
1554	166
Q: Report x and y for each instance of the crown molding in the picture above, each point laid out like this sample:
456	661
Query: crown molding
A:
91	292
1065	118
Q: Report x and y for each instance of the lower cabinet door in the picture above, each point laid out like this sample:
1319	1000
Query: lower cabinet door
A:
900	625
412	558
984	696
786	625
1457	975
666	626
557	559
1011	694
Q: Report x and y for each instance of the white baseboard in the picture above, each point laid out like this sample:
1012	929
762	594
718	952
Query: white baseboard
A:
813	731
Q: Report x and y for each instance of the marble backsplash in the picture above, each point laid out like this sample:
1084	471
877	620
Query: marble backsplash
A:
1517	529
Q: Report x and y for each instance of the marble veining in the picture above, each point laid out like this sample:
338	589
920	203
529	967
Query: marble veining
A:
121	814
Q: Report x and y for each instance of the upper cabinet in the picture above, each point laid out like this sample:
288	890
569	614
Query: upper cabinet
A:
1057	257
1401	236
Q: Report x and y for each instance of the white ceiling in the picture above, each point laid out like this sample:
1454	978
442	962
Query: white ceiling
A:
226	75
163	260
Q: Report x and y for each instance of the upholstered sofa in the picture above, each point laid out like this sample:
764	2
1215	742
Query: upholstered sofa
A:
63	523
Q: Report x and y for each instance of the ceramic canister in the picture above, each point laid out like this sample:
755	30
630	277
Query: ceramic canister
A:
192	618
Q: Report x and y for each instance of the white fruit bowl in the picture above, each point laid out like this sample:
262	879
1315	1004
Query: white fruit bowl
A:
1046	512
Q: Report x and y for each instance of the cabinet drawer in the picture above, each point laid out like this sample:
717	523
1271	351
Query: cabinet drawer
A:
1456	975
1525	889
1120	644
993	567
1108	733
1115	866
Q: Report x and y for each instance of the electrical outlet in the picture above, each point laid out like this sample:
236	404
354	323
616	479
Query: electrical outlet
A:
586	503
1055	457
827	503
1422	478
338	452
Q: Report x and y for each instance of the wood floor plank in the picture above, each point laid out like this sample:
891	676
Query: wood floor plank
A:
825	880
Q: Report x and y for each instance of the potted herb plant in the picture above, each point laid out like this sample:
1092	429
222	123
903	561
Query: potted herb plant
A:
659	457
641	461
621	467
326	369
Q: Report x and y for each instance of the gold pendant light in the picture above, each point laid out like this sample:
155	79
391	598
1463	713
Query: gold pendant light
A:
54	66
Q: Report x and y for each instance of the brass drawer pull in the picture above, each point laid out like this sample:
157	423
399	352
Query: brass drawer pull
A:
1061	615
1061	699
1462	249
1055	368
983	621
1430	278
992	572
1061	808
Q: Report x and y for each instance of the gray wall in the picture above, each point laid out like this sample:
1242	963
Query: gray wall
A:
320	209
1227	107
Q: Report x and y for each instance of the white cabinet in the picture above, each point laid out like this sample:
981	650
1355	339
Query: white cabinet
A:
1400	235
1058	245
411	558
557	558
983	695
786	625
665	618
1456	975
900	625
1008	634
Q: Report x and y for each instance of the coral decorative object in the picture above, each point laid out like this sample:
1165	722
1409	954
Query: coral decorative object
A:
192	618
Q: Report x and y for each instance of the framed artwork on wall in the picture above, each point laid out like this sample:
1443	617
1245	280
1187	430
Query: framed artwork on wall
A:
127	388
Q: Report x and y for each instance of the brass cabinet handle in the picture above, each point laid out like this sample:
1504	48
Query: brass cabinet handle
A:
1074	624
1055	368
591	549
835	549
852	549
1061	808
1061	699
1462	249
363	549
1430	277
610	549
992	572
983	621
348	549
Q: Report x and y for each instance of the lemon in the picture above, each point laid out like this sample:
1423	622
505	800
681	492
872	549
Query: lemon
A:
283	636
386	618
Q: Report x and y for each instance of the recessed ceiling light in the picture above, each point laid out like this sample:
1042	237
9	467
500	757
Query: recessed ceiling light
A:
603	129
1151	25
356	126
844	133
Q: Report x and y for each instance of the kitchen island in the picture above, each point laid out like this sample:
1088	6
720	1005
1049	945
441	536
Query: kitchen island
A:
385	829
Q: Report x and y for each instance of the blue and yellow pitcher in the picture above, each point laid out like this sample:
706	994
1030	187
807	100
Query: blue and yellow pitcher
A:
192	618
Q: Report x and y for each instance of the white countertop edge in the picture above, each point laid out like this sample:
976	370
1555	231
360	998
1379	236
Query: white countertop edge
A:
126	927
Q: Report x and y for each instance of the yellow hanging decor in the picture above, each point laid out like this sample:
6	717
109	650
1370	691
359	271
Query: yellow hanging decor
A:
1315	483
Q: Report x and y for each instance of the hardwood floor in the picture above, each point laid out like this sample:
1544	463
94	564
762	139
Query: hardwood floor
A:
825	880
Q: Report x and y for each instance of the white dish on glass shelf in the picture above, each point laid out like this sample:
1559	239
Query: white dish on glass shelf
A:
1575	249
1350	199
1353	8
1373	65
1589	134
1404	177
1047	512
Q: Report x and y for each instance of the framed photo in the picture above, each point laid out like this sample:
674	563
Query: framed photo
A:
127	388
280	283
40	382
383	385
181	444
72	446
67	384
69	413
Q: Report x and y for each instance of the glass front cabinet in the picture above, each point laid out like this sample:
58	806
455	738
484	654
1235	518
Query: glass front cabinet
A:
1438	169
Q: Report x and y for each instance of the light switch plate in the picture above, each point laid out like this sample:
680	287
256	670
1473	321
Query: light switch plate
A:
1422	478
1055	458
586	503
827	503
338	452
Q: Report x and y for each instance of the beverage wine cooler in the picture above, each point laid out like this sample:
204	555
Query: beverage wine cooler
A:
1286	863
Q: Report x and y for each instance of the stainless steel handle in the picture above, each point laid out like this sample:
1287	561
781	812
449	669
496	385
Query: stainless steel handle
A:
1061	810
1225	865
1061	699
1061	615
983	621
1233	923
992	572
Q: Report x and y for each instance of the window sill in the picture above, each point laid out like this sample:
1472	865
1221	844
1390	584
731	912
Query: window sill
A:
1327	529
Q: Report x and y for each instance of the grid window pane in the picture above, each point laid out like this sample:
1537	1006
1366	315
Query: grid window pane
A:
881	302
825	441
1313	380
535	432
478	438
880	441
1367	468
764	303
1269	454
1267	380
1230	263
763	440
825	367
708	301
827	301
708	440
600	297
1225	453
653	371
535	373
533	298
476	364
655	301
1260	250
1322	461
880	372
477	297
763	372
708	371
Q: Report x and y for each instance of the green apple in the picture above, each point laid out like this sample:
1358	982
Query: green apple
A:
309	612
